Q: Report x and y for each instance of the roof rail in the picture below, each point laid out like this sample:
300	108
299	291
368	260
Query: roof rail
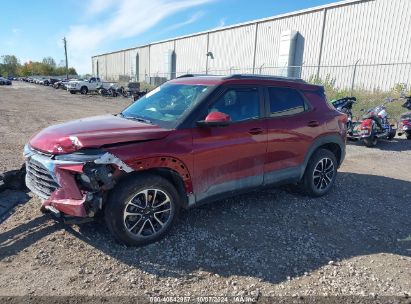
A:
198	75
265	77
186	75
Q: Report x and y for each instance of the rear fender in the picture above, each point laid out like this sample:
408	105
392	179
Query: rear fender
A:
335	139
367	124
367	128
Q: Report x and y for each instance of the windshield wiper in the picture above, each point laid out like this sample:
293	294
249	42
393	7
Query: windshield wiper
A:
139	119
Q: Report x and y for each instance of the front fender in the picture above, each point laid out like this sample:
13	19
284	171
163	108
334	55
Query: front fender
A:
165	162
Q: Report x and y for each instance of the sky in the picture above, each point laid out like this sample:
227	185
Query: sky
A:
32	30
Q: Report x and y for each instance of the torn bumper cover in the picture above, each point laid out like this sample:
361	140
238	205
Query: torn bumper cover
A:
72	184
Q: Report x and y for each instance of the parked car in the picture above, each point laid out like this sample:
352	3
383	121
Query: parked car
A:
191	141
52	81
84	86
61	84
4	81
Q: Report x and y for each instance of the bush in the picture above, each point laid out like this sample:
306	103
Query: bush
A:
366	99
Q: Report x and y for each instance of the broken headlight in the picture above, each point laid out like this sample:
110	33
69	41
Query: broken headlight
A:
84	156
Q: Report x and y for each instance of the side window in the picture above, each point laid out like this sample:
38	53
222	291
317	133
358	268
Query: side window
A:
92	80
240	103
284	101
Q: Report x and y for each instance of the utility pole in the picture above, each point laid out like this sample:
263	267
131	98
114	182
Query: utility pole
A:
65	51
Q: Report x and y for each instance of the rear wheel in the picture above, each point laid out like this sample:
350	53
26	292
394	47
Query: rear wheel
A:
142	210
320	173
370	141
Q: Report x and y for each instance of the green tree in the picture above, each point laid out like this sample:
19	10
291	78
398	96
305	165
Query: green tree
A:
72	71
49	61
10	65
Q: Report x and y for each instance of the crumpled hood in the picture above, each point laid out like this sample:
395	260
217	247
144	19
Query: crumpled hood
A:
94	132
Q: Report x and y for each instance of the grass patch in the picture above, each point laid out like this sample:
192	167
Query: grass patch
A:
366	99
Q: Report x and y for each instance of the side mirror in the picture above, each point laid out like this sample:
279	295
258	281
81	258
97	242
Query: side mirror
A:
215	119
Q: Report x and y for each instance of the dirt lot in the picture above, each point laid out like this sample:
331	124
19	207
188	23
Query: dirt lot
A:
354	241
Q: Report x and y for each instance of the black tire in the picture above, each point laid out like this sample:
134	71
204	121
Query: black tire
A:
317	183
72	92
370	142
83	90
132	229
408	135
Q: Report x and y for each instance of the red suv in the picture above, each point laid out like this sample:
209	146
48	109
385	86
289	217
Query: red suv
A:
192	140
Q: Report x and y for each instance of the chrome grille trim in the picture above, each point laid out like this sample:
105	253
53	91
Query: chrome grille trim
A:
39	180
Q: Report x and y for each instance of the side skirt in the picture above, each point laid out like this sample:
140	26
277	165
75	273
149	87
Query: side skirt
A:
248	184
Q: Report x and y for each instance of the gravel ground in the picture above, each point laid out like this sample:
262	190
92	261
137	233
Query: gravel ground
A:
355	241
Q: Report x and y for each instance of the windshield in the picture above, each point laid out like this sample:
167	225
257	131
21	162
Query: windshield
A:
166	104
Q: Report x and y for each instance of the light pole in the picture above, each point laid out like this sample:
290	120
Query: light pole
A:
65	51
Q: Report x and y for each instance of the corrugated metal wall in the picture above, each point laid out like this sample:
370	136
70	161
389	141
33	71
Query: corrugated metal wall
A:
157	57
232	50
191	54
143	62
372	31
269	32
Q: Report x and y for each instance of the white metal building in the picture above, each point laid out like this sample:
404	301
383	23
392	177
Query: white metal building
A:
368	40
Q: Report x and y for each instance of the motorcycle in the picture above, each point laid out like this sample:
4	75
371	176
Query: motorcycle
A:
375	125
344	105
102	91
404	126
121	91
113	91
138	95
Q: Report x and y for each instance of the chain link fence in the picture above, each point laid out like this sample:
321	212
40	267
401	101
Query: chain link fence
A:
381	77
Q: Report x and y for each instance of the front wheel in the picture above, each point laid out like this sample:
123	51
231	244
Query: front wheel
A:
83	90
320	174
142	210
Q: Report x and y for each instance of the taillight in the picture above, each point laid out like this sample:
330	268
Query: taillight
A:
342	122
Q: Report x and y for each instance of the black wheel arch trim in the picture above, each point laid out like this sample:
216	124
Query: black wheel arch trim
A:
321	141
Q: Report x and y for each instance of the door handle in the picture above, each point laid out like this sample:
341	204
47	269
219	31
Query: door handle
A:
256	131
313	123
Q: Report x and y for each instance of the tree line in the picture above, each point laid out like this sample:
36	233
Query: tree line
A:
10	66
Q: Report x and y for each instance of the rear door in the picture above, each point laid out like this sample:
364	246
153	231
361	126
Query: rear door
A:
231	158
291	128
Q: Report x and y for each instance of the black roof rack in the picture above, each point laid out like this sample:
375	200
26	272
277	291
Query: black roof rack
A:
197	75
265	77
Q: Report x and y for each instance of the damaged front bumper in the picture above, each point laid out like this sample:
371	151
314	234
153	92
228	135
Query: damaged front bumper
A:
72	184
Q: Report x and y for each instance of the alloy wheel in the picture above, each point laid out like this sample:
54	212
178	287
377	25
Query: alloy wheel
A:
323	174
148	213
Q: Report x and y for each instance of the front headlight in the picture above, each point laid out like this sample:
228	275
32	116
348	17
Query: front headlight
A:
87	155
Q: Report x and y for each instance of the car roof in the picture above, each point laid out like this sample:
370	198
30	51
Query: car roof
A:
212	80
